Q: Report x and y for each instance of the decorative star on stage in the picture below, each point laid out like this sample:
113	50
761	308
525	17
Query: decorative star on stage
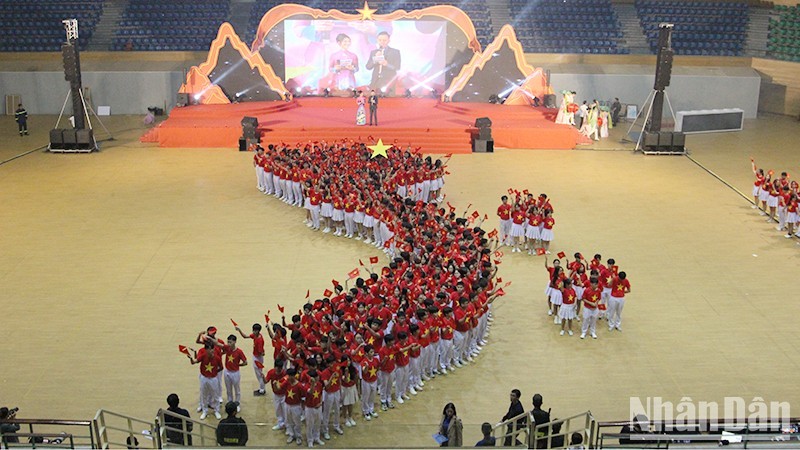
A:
366	12
379	149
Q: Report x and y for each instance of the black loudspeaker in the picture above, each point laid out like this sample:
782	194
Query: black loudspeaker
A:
664	69
57	138
678	141
664	139
85	138
250	122
70	63
242	144
483	122
70	138
650	139
550	101
183	99
483	146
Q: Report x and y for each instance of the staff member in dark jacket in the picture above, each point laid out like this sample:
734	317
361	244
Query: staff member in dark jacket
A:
21	116
540	417
232	430
175	436
514	410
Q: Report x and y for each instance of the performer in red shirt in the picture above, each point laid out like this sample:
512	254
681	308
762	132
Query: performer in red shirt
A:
234	359
258	355
275	377
591	302
619	287
294	397
504	213
210	365
386	375
568	305
369	382
313	409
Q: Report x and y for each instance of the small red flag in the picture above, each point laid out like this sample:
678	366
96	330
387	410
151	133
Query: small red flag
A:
615	269
525	191
360	263
540	251
387	244
499	280
561	254
501	292
183	349
497	262
280	308
471	219
485	216
467	208
498	254
492	234
234	323
510	191
259	364
353	273
327	293
266	317
385	271
449	155
369	282
373	260
308	293
475	214
335	283
507	284
601	306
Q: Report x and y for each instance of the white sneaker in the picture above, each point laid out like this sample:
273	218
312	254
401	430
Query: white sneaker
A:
326	230
277	427
367	417
358	238
327	436
319	441
412	390
555	319
217	415
406	397
583	335
594	336
203	416
290	440
443	371
374	415
199	408
569	332
238	408
352	422
309	224
368	241
619	328
561	333
550	312
400	400
338	431
753	206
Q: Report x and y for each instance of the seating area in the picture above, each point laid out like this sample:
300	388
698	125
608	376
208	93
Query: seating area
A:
36	26
576	26
175	25
701	28
784	34
476	9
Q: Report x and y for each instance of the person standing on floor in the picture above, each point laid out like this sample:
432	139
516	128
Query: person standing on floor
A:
21	117
451	427
515	409
232	430
373	107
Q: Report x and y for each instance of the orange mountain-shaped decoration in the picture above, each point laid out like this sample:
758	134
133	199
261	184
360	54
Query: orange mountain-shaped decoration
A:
199	85
500	69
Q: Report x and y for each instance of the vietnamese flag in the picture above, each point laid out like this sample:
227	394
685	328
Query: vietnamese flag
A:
308	293
497	262
448	156
387	244
507	284
183	349
259	364
234	323
353	273
475	214
335	283
280	308
501	292
499	280
360	263
615	269
266	317
385	271
561	254
540	251
492	233
327	293
510	191
373	260
498	254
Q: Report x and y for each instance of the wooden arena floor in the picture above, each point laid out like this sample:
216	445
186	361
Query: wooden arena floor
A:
109	260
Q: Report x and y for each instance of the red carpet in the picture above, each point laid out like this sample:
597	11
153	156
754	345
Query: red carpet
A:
426	123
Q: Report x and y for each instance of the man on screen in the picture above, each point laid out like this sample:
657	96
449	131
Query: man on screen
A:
384	62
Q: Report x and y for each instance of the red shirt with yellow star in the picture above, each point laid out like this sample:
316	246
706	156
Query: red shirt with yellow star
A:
313	395
618	287
294	392
210	363
233	358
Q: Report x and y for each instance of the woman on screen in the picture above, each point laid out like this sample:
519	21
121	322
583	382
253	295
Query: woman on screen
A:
361	114
344	64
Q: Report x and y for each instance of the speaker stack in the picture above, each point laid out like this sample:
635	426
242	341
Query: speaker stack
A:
482	141
250	134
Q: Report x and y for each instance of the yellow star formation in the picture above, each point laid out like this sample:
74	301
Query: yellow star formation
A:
379	149
366	12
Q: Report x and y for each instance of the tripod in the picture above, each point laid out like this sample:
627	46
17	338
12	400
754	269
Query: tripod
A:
86	109
647	109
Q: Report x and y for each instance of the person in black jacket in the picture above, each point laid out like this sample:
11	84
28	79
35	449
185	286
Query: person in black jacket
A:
540	417
174	436
232	430
21	116
514	410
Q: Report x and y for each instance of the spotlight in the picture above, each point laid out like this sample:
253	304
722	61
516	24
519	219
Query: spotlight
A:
494	99
408	93
298	89
197	97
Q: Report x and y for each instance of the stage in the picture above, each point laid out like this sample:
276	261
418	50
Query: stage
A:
433	126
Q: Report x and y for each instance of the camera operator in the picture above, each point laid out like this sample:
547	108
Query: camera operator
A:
8	430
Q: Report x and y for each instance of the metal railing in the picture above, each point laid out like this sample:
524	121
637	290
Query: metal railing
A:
512	429
72	433
189	433
558	433
740	433
119	431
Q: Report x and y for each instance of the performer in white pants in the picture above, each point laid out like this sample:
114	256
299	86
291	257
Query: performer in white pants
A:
313	409
210	365
294	409
591	301
619	287
369	383
504	213
234	359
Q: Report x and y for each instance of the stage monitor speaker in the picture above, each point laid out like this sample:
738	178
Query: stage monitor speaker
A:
57	138
483	122
483	146
550	101
70	138
250	122
183	99
85	138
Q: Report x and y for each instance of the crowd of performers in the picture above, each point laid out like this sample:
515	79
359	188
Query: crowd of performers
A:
527	224
777	198
426	313
591	119
595	288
